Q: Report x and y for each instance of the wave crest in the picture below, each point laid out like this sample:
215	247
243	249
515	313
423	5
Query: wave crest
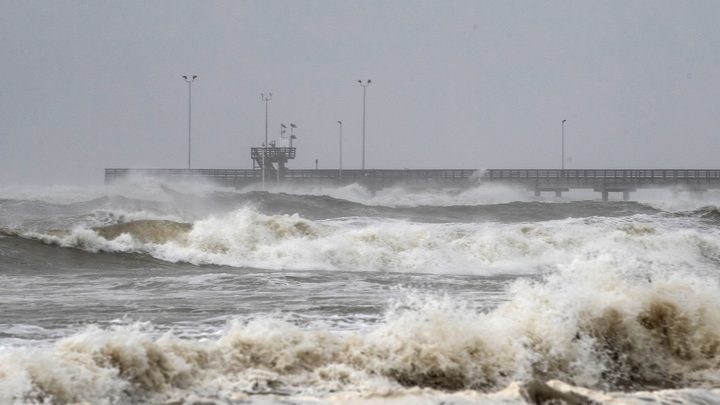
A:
247	238
627	335
147	231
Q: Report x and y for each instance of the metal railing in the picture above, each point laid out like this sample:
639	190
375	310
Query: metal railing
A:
272	153
303	174
213	173
573	178
495	174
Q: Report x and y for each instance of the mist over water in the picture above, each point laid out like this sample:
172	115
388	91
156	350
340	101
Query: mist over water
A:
151	292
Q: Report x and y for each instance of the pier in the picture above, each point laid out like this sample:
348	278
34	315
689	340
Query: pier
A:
606	181
603	181
269	166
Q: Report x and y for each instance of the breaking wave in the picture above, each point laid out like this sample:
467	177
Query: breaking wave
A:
248	238
147	188
400	196
622	298
708	212
173	192
589	326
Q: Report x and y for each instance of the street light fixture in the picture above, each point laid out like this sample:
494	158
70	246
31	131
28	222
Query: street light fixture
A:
189	81
364	86
266	98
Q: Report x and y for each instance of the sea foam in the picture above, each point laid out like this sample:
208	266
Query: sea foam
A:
247	238
588	325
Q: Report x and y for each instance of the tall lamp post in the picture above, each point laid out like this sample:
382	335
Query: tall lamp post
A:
340	166
562	164
364	86
266	98
189	81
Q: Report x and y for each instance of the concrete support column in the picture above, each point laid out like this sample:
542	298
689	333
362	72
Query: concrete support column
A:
605	195
626	195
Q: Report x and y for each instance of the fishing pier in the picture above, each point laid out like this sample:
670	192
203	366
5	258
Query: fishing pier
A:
269	167
603	181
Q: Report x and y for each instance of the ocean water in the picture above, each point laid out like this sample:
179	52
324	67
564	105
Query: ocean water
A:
144	292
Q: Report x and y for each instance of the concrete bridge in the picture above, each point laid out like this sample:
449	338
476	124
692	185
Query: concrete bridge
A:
604	181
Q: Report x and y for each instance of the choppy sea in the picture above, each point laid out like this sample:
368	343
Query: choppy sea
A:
178	293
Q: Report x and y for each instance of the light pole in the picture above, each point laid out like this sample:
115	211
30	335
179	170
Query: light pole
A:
340	170
266	98
562	164
364	86
189	81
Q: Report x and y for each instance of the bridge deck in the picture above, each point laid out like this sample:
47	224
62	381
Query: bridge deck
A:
603	180
600	179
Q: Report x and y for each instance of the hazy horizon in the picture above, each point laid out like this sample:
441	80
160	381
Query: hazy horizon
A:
462	84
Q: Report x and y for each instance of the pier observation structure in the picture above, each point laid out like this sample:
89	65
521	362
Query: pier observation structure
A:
274	158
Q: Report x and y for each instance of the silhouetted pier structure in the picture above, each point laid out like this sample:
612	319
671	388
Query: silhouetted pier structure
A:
604	181
270	157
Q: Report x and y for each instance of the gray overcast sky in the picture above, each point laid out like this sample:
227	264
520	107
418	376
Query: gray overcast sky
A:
86	85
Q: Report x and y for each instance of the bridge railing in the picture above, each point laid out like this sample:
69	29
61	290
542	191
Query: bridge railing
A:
272	153
670	174
386	176
212	173
528	177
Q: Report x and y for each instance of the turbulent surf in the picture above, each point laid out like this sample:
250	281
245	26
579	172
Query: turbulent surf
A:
185	293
